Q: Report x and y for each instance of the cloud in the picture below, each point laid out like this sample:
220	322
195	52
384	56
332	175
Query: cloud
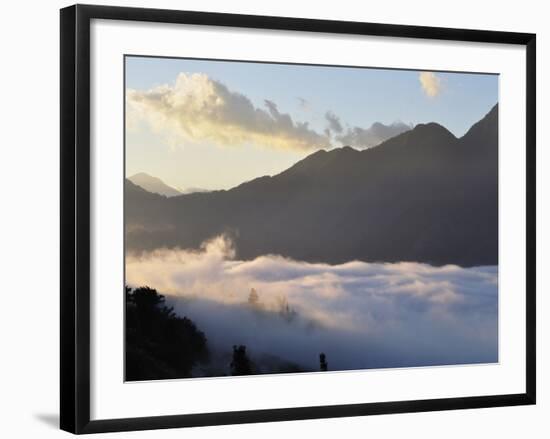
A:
431	83
333	122
199	108
376	134
361	315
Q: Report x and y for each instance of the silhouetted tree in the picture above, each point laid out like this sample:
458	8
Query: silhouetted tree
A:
240	365
128	293
284	309
253	298
323	362
159	344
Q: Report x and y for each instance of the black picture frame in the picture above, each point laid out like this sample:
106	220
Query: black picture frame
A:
75	217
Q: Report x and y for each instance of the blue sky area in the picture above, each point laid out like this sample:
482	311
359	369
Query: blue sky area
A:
358	97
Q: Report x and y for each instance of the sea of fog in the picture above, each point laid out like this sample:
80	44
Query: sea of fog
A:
361	315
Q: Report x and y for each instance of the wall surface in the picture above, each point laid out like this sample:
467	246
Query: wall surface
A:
29	248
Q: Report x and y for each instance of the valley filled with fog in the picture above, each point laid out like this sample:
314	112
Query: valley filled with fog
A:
361	315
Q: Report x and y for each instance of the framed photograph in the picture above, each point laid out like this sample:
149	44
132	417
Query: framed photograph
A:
268	218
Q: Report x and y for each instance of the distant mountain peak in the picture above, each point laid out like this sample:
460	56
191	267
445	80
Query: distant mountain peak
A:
142	175
433	127
476	139
153	184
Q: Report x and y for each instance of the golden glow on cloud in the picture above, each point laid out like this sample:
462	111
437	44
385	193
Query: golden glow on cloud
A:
431	83
198	108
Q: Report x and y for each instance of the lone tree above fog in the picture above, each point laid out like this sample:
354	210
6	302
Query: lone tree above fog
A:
253	298
323	362
285	310
240	365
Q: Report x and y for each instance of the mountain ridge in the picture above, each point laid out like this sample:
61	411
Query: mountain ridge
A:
423	195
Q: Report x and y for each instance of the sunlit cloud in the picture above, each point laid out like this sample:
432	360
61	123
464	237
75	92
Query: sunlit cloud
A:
334	123
431	83
369	137
199	108
361	314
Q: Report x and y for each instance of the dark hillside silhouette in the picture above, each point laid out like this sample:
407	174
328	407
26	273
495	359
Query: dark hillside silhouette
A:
422	196
159	344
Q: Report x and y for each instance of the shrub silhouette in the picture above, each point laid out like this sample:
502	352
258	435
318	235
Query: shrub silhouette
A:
323	362
159	344
240	365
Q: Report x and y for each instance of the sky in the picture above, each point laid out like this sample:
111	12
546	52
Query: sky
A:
215	124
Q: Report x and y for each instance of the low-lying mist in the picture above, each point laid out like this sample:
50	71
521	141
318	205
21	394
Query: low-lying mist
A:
361	315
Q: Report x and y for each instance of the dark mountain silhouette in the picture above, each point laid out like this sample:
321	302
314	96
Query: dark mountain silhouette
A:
153	184
423	196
